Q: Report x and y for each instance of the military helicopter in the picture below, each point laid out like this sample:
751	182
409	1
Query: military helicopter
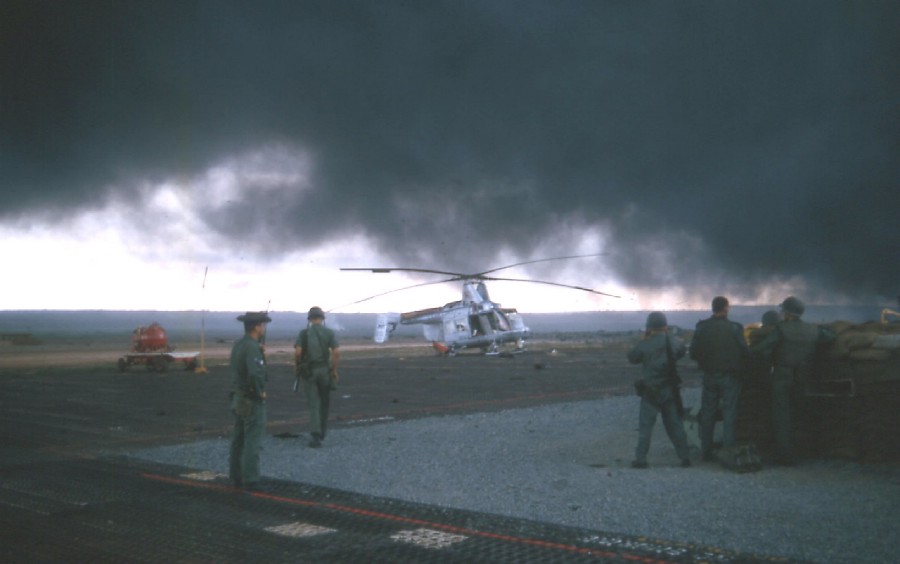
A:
475	321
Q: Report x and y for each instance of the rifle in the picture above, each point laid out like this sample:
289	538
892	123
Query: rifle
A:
298	369
300	364
674	378
262	340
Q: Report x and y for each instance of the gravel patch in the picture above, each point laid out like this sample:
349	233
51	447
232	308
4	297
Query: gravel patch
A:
568	464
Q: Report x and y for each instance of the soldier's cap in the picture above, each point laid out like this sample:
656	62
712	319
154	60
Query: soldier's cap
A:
315	312
255	317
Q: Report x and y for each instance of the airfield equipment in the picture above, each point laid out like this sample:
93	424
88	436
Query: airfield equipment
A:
150	347
475	321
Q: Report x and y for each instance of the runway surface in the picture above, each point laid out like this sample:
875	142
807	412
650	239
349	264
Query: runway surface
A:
72	489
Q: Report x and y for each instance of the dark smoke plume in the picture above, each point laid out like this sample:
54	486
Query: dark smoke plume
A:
724	143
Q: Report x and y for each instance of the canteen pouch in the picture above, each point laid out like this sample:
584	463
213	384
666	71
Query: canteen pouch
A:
648	392
243	406
640	387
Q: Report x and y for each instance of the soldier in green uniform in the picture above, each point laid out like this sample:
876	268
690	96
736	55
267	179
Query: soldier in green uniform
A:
756	385
248	401
720	350
767	325
657	353
791	347
317	355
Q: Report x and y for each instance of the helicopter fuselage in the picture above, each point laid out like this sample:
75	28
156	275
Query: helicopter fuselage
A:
473	322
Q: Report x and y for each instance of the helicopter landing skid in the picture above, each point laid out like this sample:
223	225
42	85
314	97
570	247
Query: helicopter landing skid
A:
505	354
496	351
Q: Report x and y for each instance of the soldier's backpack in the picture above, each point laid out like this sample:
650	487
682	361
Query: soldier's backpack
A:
741	458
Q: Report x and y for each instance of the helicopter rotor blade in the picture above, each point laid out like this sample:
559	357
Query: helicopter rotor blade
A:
459	275
573	287
392	291
481	274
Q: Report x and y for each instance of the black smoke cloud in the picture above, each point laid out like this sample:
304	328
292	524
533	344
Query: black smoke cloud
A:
722	144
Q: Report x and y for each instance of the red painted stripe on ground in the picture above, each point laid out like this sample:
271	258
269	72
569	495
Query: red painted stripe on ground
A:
409	520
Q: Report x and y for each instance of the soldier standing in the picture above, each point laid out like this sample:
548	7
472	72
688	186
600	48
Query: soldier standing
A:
657	352
317	355
248	401
720	350
756	382
767	325
792	347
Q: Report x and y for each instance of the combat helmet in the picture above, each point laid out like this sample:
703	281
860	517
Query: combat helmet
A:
315	312
770	318
793	306
656	320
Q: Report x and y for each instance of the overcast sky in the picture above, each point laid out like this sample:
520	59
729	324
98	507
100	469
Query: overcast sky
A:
740	148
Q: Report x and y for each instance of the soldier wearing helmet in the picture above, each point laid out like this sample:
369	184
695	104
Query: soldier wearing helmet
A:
658	388
316	356
756	332
791	346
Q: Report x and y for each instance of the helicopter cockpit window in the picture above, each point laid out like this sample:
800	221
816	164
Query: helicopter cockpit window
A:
499	321
476	323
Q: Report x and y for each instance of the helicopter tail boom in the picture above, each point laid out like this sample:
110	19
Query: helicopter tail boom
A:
385	324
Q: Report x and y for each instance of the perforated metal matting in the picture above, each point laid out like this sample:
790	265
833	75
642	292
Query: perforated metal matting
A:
123	510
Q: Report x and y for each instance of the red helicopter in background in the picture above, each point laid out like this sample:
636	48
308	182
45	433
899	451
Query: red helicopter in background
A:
475	321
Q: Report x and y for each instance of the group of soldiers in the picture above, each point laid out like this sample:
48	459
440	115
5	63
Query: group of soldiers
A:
316	360
786	346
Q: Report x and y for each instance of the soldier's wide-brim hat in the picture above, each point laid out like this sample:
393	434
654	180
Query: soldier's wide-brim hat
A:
255	317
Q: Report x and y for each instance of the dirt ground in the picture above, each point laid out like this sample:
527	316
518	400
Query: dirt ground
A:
68	416
72	396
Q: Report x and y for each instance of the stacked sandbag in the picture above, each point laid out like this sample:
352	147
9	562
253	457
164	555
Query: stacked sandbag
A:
862	426
851	407
870	341
829	427
879	419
